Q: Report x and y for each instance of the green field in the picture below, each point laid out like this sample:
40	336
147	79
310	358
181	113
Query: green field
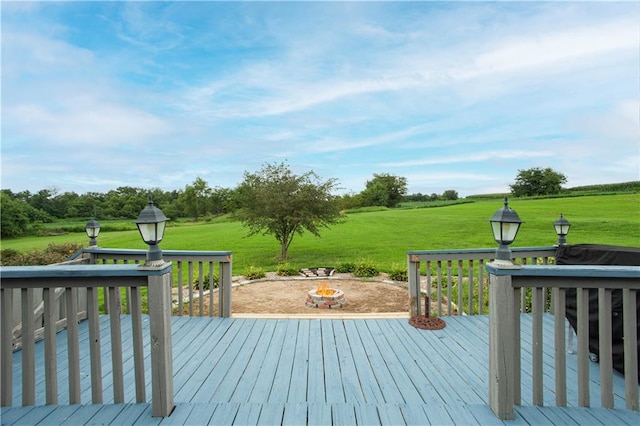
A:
385	236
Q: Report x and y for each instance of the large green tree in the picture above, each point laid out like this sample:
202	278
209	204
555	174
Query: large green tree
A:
537	181
275	201
384	190
196	198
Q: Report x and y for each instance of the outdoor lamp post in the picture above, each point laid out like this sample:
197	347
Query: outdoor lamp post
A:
93	229
562	226
151	223
504	224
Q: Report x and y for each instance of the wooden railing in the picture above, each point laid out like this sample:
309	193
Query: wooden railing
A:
188	266
26	280
506	284
456	278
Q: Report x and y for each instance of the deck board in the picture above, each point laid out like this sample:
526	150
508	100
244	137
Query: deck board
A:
369	386
321	371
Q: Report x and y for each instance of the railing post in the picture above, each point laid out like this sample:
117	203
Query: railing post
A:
224	295
413	269
501	342
159	294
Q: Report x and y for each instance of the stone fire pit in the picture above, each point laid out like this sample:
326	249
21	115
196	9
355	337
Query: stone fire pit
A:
325	298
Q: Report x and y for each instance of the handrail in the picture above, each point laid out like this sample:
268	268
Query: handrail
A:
26	279
460	273
199	265
506	282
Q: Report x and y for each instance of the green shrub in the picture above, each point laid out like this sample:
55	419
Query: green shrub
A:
254	273
205	282
285	269
365	268
399	272
54	253
345	267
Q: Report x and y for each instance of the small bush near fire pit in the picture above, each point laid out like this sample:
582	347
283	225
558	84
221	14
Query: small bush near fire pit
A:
365	268
285	269
345	267
205	282
254	273
399	272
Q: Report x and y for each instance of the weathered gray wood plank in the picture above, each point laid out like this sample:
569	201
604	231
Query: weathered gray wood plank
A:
369	385
264	381
295	413
299	372
315	381
343	414
248	414
347	363
332	373
282	379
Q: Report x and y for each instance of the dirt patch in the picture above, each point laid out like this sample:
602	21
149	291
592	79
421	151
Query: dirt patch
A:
287	295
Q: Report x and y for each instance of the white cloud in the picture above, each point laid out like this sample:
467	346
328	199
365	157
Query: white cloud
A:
470	158
92	125
555	48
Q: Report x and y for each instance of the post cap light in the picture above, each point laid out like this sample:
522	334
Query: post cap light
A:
562	226
92	228
151	223
505	224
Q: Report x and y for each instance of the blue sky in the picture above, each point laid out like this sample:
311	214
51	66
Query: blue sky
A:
450	95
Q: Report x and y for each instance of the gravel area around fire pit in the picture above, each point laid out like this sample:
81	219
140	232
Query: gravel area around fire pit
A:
287	295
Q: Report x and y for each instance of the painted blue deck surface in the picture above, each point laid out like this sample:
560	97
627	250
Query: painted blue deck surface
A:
318	371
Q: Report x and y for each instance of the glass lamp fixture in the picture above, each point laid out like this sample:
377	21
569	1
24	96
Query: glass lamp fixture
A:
505	224
151	223
92	228
562	226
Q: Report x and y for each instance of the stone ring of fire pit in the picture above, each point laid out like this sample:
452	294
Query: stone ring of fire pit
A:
324	300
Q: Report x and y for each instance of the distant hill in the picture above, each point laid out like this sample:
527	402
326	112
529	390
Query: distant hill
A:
602	189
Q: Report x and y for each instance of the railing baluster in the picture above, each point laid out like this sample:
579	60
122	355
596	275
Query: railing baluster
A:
6	347
94	345
180	288
28	350
537	309
582	298
605	356
200	289
211	284
460	289
523	293
116	344
50	352
449	283
559	308
629	319
190	288
517	349
105	298
481	286
73	347
470	288
428	287
439	270
138	353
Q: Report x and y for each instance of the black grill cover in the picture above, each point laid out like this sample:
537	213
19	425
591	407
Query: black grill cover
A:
596	254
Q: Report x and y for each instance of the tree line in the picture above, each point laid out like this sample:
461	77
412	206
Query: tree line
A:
279	187
197	200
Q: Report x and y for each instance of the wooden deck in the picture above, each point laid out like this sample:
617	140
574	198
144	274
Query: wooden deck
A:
321	371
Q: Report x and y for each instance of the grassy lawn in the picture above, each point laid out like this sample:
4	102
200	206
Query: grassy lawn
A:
385	236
